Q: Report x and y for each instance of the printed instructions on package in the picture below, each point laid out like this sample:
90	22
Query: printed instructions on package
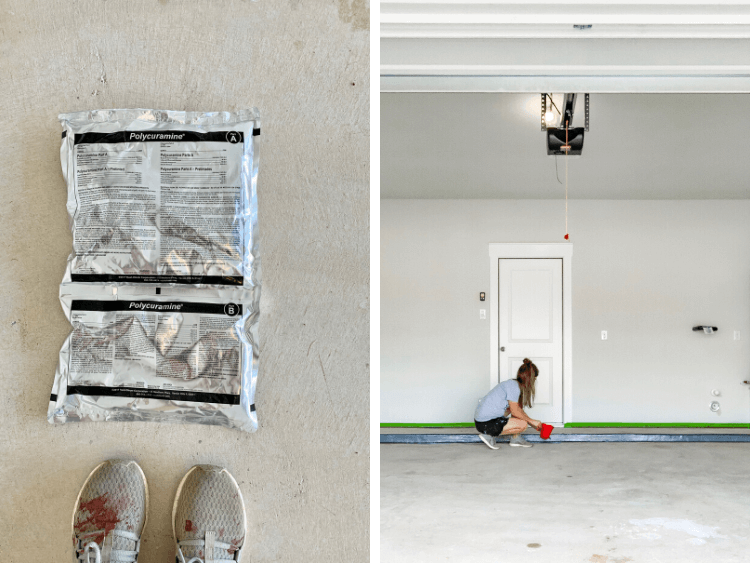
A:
166	346
158	207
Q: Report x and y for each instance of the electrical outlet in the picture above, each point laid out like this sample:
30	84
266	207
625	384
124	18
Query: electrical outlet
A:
604	335
482	313
736	334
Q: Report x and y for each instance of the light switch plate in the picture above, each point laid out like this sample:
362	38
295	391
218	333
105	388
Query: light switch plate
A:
604	335
482	313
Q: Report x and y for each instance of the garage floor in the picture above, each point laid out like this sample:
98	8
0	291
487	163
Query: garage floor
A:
567	503
305	474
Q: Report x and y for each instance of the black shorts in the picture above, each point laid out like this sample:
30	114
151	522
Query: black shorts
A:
491	427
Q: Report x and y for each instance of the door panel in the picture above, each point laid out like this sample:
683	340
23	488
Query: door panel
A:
530	319
530	305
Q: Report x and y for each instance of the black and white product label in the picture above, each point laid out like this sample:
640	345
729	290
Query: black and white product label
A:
160	206
162	350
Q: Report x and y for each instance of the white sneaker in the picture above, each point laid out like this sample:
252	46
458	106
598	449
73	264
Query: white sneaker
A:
110	513
519	441
208	517
489	440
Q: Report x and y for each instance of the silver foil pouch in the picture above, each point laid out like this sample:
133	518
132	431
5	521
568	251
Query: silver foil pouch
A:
158	196
170	354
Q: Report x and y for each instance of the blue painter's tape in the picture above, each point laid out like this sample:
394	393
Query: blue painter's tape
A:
558	438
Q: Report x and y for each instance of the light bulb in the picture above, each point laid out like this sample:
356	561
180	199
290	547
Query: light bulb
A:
549	116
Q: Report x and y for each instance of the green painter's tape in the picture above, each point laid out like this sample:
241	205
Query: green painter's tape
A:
652	425
573	425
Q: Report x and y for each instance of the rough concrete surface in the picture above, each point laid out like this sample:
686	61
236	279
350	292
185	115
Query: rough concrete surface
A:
304	474
565	503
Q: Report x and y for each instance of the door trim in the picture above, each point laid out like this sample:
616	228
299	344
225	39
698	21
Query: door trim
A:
535	250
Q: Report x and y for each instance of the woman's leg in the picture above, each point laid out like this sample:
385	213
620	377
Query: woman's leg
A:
514	426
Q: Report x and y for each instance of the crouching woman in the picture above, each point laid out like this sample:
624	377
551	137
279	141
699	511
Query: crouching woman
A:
500	412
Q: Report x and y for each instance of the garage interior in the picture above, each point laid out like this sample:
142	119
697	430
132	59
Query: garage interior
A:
653	410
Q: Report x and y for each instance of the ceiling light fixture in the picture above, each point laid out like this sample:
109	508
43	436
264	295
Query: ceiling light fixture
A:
548	117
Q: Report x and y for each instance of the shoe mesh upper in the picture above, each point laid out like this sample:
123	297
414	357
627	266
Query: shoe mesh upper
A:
113	498
210	500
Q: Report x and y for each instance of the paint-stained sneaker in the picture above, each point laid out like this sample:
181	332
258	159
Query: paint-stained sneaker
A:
489	440
208	517
519	441
110	513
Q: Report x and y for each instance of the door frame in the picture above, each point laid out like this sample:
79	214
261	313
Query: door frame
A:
532	250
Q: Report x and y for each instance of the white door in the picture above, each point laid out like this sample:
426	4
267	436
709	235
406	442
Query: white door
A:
530	326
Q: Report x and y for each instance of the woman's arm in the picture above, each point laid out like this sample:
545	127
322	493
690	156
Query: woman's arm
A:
517	412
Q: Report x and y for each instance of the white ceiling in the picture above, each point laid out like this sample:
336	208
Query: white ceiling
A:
640	146
627	46
556	18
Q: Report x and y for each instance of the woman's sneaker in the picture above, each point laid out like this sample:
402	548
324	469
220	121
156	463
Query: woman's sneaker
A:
519	441
110	513
489	440
208	517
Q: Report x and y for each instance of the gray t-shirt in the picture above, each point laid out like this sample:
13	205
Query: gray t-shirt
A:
493	404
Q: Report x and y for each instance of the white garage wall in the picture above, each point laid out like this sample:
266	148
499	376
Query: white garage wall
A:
645	271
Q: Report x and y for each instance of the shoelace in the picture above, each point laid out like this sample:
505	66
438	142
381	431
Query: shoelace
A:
202	543
97	552
85	548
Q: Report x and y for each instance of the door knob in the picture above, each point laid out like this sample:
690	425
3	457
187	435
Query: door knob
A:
502	349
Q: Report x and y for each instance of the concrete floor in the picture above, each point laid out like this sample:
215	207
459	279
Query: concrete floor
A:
305	473
567	503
